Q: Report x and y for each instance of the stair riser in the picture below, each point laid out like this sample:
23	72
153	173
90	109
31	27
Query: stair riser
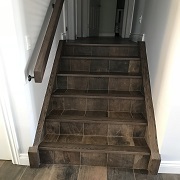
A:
130	161
124	66
99	83
124	51
98	104
95	129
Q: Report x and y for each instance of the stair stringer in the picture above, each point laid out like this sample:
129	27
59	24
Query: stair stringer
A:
151	132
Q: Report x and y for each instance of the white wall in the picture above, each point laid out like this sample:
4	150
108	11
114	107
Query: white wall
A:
107	17
161	25
23	18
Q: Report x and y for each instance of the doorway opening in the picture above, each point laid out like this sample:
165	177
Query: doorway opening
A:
103	18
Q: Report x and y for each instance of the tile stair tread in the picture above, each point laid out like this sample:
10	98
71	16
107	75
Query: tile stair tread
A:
58	146
134	58
99	74
81	116
98	94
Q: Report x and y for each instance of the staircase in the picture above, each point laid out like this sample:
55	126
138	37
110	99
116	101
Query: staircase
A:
97	113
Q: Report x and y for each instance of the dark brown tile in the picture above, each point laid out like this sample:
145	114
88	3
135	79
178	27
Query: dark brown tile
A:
99	66
142	175
64	65
63	157
82	50
64	172
95	140
51	138
58	103
100	51
119	84
52	128
75	104
138	116
98	92
120	130
11	172
97	104
92	173
79	83
137	106
120	174
61	82
68	50
119	66
139	131
121	141
46	157
74	139
119	115
139	142
135	85
119	105
120	160
94	159
134	66
98	83
96	114
141	162
71	128
123	51
73	113
95	129
41	173
80	65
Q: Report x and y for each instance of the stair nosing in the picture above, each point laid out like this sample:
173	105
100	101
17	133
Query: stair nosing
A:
104	120
97	96
133	58
101	44
54	146
94	74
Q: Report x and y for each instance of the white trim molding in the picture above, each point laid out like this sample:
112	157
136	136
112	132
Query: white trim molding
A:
170	167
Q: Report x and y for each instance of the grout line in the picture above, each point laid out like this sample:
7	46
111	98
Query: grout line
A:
134	175
23	173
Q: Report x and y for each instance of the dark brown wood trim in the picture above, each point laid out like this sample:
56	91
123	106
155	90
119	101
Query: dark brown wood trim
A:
33	151
151	138
47	42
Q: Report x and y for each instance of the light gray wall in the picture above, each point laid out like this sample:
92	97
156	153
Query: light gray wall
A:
161	26
107	17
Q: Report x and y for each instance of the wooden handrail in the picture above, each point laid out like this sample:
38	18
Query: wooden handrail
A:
47	42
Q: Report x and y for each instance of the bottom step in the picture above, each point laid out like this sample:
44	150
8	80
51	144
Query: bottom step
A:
83	152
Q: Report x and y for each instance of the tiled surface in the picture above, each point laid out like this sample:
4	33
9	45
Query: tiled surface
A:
69	172
76	50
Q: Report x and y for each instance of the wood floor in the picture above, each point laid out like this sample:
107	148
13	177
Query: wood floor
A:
8	171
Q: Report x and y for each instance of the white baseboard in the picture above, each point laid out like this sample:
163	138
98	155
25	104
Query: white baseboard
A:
106	34
170	167
24	159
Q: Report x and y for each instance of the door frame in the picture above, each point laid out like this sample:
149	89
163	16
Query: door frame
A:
8	119
128	18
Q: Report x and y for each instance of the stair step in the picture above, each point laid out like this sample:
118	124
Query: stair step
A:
122	50
96	117
100	74
95	151
101	58
98	94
